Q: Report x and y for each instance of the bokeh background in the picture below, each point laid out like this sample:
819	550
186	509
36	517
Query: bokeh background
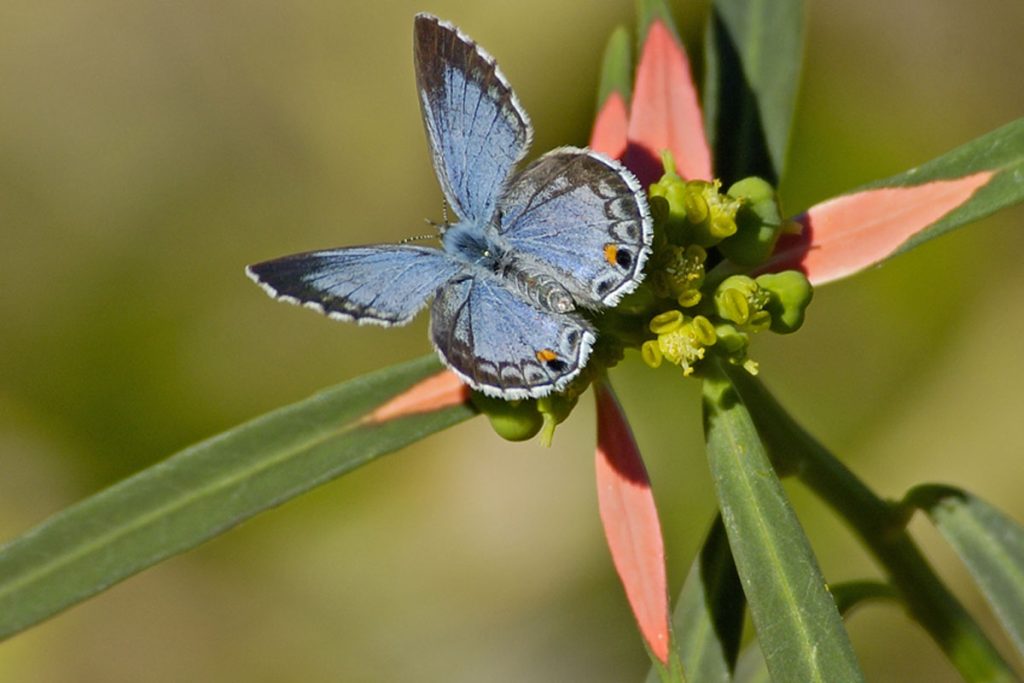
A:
149	150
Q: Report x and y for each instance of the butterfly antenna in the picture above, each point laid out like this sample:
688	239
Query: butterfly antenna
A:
441	227
417	238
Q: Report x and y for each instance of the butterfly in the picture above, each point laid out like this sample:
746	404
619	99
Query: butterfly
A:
531	251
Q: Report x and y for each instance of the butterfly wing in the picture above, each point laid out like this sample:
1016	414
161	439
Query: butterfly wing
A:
381	285
502	345
476	128
584	219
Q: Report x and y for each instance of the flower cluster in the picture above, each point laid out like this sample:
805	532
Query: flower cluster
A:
701	294
699	297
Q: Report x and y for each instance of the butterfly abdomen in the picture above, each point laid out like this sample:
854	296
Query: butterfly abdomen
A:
539	288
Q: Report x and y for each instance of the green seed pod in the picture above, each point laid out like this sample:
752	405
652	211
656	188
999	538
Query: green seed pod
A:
758	221
731	340
790	293
511	420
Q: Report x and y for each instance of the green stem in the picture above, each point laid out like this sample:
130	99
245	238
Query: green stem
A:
881	526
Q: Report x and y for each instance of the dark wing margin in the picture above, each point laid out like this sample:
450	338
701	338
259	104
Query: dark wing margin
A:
380	285
476	128
500	344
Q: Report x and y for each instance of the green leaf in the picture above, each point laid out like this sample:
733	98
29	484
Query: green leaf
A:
880	527
851	594
752	668
611	121
209	488
797	623
752	71
1000	152
990	544
616	68
708	619
864	227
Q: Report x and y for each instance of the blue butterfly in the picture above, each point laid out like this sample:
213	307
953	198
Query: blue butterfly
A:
570	231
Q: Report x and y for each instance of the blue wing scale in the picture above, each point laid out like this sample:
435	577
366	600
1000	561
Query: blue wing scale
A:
583	215
504	346
380	285
476	128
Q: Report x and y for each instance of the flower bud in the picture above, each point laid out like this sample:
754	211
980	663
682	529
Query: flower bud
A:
758	223
789	295
511	420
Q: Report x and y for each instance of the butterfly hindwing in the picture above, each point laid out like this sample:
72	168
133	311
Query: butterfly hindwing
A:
585	217
383	285
502	345
476	128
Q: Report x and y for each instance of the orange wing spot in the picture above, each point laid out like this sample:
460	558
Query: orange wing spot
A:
544	355
611	251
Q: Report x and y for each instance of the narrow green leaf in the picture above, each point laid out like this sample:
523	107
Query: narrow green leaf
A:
649	11
611	121
851	594
1000	152
880	527
708	619
209	488
797	623
862	228
616	68
752	667
990	544
752	72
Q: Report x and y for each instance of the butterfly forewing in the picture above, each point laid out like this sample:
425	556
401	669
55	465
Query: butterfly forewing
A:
383	285
476	128
583	216
501	344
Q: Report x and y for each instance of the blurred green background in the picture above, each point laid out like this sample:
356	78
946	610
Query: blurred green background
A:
149	150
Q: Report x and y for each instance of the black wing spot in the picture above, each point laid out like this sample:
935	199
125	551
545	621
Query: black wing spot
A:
603	287
623	258
556	365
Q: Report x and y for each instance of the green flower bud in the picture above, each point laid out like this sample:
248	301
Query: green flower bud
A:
789	295
669	199
731	340
738	298
512	420
711	216
758	223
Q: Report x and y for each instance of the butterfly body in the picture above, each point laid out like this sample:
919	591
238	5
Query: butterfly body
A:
570	231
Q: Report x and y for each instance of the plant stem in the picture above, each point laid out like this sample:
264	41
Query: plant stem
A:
881	527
